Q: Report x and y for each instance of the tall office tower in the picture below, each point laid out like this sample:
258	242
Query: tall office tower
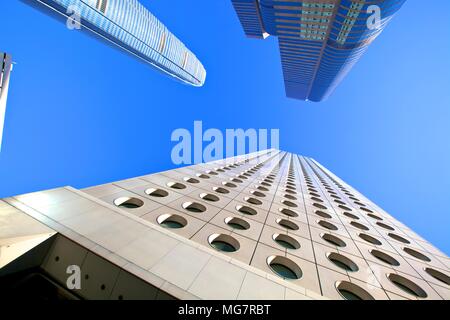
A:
319	40
5	70
129	25
270	225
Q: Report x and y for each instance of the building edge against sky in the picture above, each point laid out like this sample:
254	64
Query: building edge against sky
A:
5	70
267	225
319	40
129	25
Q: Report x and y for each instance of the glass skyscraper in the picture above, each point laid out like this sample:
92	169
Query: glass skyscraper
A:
5	70
128	24
319	40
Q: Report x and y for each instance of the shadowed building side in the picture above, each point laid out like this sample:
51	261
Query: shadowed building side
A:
129	25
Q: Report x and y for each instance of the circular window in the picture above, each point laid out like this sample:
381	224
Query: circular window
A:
172	221
236	180
416	254
351	215
359	225
229	184
262	188
288	212
344	207
333	240
316	199
288	224
342	262
246	210
221	190
253	201
350	291
237	223
202	176
266	184
286	241
323	214
407	285
159	193
373	216
370	239
398	238
191	180
438	275
314	194
223	242
176	185
194	207
284	267
257	193
327	225
128	202
211	172
289	203
290	191
339	201
288	196
209	197
320	206
385	226
385	258
365	209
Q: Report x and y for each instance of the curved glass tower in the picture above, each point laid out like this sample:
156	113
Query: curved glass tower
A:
319	40
128	24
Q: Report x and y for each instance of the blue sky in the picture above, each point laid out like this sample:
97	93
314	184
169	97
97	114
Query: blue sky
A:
81	113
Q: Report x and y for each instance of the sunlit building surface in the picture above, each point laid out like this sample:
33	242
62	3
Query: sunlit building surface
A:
319	40
268	225
129	25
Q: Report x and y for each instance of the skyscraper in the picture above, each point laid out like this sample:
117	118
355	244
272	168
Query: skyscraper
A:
5	70
270	225
129	25
319	40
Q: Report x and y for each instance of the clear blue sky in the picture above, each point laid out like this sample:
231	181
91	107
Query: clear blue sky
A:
81	113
